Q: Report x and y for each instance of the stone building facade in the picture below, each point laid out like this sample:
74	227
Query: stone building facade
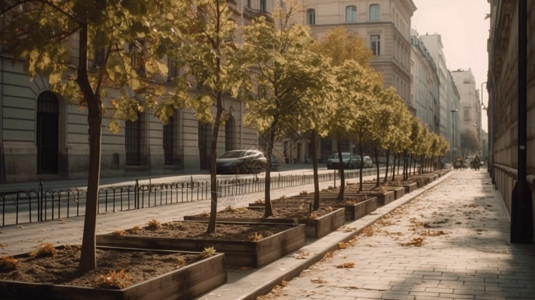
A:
449	97
502	84
469	109
43	136
425	85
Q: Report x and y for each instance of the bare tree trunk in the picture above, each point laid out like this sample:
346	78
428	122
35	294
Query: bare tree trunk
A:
268	207
94	118
213	167
387	164
377	167
341	171
314	152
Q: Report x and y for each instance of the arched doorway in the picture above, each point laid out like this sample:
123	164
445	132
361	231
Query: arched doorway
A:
47	133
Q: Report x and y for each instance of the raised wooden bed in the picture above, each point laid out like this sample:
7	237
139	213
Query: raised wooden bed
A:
239	253
354	203
399	192
315	228
410	187
185	283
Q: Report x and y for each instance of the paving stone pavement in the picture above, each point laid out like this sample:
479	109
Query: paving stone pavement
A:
450	242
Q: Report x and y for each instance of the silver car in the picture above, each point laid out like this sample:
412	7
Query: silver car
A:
241	161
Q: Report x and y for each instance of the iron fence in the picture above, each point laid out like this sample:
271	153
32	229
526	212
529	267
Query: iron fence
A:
40	204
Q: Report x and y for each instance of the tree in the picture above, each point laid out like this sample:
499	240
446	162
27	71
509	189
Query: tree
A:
469	142
283	71
208	51
122	31
340	47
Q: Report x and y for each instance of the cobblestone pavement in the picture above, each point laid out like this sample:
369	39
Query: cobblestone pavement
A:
451	242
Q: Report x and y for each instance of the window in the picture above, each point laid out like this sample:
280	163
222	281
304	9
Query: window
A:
376	44
172	69
248	3
133	142
351	14
98	58
47	133
311	16
375	13
230	127
169	141
263	5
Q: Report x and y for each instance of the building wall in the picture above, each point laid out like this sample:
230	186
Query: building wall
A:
425	85
393	28
503	88
470	105
448	94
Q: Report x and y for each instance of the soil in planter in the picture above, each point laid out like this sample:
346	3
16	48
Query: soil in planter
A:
62	267
300	212
195	230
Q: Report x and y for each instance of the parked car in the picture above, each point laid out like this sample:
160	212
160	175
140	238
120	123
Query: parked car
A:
368	162
348	160
241	161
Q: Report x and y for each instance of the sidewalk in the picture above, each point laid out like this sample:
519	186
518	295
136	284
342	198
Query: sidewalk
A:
449	242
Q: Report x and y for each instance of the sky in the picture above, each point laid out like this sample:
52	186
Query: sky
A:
464	31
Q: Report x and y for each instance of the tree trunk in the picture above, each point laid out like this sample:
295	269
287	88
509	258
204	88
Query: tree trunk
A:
94	118
341	171
314	152
268	207
387	163
377	167
361	152
213	168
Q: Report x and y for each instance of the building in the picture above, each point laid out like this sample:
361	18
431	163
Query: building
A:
43	136
425	85
384	25
469	112
449	97
505	86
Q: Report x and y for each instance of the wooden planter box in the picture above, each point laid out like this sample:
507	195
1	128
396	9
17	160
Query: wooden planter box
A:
360	209
410	187
185	283
315	228
383	198
238	253
352	211
399	192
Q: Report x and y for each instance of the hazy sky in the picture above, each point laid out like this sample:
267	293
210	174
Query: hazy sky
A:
464	31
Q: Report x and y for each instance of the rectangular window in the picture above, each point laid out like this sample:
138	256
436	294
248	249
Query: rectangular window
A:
248	3
351	14
375	13
311	16
376	44
263	5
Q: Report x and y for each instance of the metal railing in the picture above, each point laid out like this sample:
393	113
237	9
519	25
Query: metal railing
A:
40	204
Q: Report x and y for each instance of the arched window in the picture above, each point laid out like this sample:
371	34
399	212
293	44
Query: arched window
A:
351	14
375	13
311	16
47	133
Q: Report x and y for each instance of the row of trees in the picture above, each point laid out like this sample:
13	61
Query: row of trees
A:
288	81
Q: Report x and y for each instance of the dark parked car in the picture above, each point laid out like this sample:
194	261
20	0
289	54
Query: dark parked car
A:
349	161
241	161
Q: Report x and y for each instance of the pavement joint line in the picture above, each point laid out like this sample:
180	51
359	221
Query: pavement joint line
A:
263	280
